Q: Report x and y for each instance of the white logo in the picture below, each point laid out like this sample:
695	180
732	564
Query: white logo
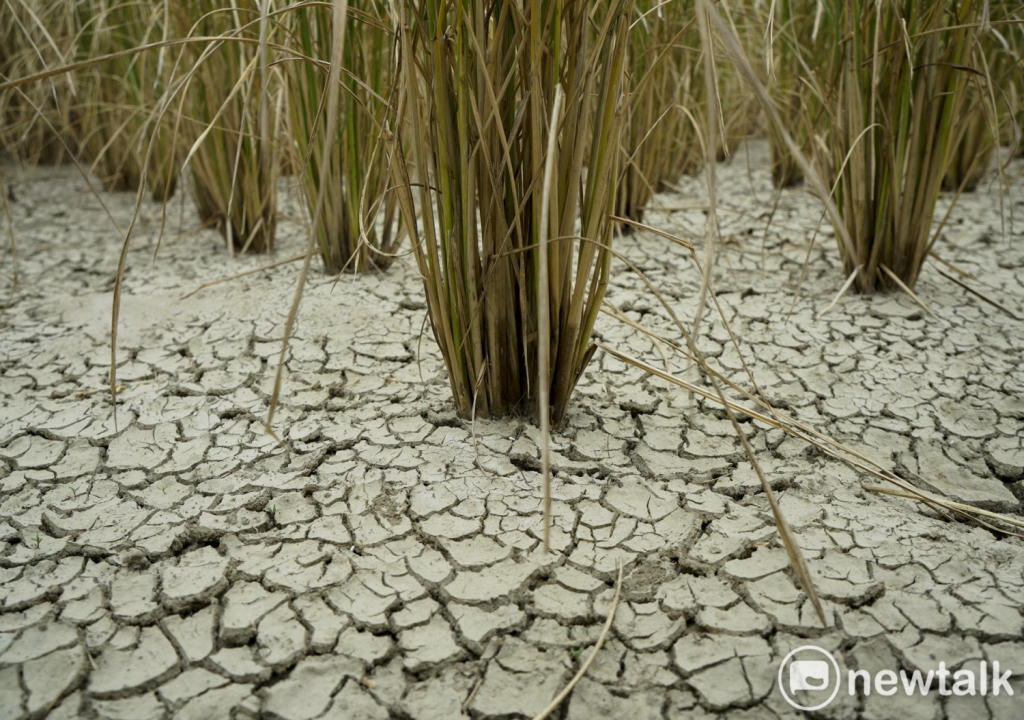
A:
808	675
811	675
814	674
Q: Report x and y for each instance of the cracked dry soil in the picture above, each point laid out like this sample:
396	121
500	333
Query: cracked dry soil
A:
377	564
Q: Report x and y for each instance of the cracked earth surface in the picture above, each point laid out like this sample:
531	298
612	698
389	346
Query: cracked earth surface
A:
380	564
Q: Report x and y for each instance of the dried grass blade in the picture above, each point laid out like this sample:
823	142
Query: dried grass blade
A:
340	17
904	288
978	294
789	541
553	705
235	276
544	318
818	440
842	291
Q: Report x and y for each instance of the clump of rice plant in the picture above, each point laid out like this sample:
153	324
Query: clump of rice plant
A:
991	110
229	120
355	177
739	113
972	151
684	146
1003	97
166	150
504	104
111	109
794	51
659	138
35	37
1012	113
166	154
740	116
103	113
899	92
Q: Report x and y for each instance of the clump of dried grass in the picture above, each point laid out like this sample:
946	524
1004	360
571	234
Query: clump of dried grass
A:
229	119
794	52
36	36
660	138
739	114
973	151
109	115
354	178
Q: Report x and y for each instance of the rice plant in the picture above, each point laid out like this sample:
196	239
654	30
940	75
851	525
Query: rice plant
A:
794	51
165	148
33	118
229	120
1002	40
355	178
897	97
973	150
511	264
660	138
740	117
739	112
112	105
1012	110
992	112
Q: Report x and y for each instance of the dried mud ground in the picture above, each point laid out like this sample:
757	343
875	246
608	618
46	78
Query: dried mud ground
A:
379	564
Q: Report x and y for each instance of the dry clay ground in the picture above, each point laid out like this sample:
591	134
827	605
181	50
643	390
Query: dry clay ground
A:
379	564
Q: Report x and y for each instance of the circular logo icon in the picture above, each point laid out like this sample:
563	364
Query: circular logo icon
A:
808	673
